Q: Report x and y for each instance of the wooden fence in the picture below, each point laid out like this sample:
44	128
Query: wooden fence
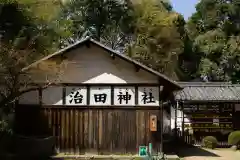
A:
100	131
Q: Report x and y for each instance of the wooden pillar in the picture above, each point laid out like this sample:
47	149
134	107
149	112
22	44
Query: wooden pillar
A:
175	114
233	116
16	106
64	95
170	110
161	114
161	132
40	98
182	108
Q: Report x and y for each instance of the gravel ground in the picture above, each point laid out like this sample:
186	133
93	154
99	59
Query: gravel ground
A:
208	154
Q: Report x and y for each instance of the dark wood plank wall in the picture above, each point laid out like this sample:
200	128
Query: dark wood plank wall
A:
100	131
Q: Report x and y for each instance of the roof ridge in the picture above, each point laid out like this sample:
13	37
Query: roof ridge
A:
207	84
164	78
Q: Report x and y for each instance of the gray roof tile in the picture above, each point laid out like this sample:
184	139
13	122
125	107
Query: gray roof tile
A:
208	91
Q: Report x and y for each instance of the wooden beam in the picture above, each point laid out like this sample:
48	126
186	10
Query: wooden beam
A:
88	95
161	116
40	96
63	57
202	102
64	95
88	44
137	68
113	56
98	84
112	95
117	107
183	122
136	95
176	117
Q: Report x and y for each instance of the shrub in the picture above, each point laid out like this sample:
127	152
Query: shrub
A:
209	142
234	138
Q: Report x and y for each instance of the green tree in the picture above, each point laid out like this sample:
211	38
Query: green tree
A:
26	21
214	31
158	37
107	20
25	37
167	4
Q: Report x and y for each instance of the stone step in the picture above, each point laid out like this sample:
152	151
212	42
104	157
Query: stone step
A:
107	157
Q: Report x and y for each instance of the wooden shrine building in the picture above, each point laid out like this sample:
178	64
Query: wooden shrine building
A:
210	108
104	102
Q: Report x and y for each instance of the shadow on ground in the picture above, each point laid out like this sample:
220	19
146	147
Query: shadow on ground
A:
190	151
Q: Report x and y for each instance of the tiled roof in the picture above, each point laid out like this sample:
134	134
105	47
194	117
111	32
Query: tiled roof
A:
208	91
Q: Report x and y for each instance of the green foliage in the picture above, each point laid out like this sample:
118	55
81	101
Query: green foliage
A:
22	25
6	122
158	37
209	142
3	126
25	36
167	4
214	34
234	138
104	19
118	24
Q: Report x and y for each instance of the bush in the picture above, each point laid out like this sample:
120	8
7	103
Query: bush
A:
234	138
209	142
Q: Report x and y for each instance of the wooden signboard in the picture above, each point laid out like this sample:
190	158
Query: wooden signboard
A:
153	123
102	95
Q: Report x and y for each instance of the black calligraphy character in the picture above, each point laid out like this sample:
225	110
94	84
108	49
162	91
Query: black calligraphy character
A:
147	98
124	97
76	97
100	97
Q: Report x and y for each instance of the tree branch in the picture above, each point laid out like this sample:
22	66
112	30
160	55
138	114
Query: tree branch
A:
35	88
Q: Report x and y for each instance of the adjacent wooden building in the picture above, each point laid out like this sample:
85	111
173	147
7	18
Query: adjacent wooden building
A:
208	108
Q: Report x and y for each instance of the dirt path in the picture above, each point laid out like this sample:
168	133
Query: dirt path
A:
208	154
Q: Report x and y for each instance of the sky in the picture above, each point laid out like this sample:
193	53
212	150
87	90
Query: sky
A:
185	7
